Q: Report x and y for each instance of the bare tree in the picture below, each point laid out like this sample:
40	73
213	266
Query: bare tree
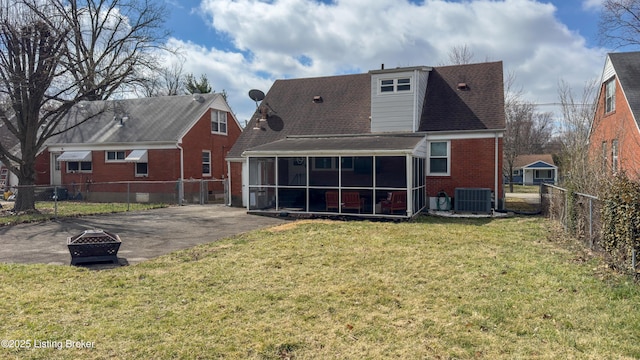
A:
577	114
620	23
165	81
57	53
460	55
527	131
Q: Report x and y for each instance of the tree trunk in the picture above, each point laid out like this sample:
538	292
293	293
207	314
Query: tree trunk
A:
25	199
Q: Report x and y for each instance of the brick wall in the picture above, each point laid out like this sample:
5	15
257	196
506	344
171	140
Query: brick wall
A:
472	166
164	164
618	124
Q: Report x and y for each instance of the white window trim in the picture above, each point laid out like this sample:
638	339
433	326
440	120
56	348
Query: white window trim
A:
612	108
79	167
429	172
116	160
137	174
219	116
395	85
210	170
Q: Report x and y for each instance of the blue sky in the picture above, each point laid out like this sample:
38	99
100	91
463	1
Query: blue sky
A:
246	44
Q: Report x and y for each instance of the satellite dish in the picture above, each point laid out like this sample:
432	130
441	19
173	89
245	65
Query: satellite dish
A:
256	95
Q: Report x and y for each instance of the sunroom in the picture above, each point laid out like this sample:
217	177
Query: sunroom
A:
365	176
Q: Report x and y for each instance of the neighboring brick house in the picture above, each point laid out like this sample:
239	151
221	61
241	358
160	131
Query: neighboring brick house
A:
614	139
143	141
389	135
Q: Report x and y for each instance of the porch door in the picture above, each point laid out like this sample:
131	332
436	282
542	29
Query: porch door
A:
56	173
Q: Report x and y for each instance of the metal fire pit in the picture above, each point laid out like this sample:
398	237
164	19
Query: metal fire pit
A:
94	246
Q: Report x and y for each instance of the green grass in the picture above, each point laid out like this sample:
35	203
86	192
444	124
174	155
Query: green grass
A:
520	205
433	288
47	210
529	189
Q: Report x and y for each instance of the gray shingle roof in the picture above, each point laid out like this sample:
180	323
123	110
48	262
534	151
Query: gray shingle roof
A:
346	105
345	109
627	67
154	119
479	107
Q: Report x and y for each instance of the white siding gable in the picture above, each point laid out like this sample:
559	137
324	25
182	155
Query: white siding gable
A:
397	98
608	71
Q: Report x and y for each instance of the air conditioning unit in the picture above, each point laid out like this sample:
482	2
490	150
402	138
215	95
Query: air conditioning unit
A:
472	200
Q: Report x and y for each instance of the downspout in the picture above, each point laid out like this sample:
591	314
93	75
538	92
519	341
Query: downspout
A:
181	180
228	183
496	196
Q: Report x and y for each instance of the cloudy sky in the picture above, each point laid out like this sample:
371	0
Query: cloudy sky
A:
246	44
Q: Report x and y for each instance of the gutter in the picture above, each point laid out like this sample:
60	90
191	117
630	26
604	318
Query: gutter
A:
181	180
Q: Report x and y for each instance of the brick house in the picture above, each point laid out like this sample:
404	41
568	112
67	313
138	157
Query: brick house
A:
614	138
144	141
383	143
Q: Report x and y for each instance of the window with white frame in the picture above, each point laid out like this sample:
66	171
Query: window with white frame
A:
614	155
115	156
206	163
439	158
79	166
395	85
610	95
218	122
142	169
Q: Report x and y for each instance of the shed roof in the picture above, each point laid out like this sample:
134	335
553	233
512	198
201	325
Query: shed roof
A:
304	145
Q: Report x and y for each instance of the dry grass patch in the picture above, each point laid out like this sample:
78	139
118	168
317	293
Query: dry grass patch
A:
432	288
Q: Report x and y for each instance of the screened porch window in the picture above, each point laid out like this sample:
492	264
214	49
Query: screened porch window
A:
362	185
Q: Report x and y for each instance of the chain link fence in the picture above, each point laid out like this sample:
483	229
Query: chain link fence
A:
578	213
177	192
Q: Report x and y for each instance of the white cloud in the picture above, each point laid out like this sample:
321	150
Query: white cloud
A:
301	38
592	4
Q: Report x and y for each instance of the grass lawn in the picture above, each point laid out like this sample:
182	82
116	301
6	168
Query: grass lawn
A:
529	189
520	205
70	208
433	288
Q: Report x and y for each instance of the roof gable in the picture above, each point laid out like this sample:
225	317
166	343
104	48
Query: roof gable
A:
627	69
154	119
534	160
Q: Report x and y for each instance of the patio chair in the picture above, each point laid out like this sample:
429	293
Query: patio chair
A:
332	200
397	201
351	201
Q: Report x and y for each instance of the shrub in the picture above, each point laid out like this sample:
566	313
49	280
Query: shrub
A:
621	219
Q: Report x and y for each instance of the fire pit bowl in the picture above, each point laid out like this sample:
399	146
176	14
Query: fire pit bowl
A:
94	246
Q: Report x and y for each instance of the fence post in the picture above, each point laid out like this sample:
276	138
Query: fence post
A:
55	202
128	195
180	191
202	185
591	223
